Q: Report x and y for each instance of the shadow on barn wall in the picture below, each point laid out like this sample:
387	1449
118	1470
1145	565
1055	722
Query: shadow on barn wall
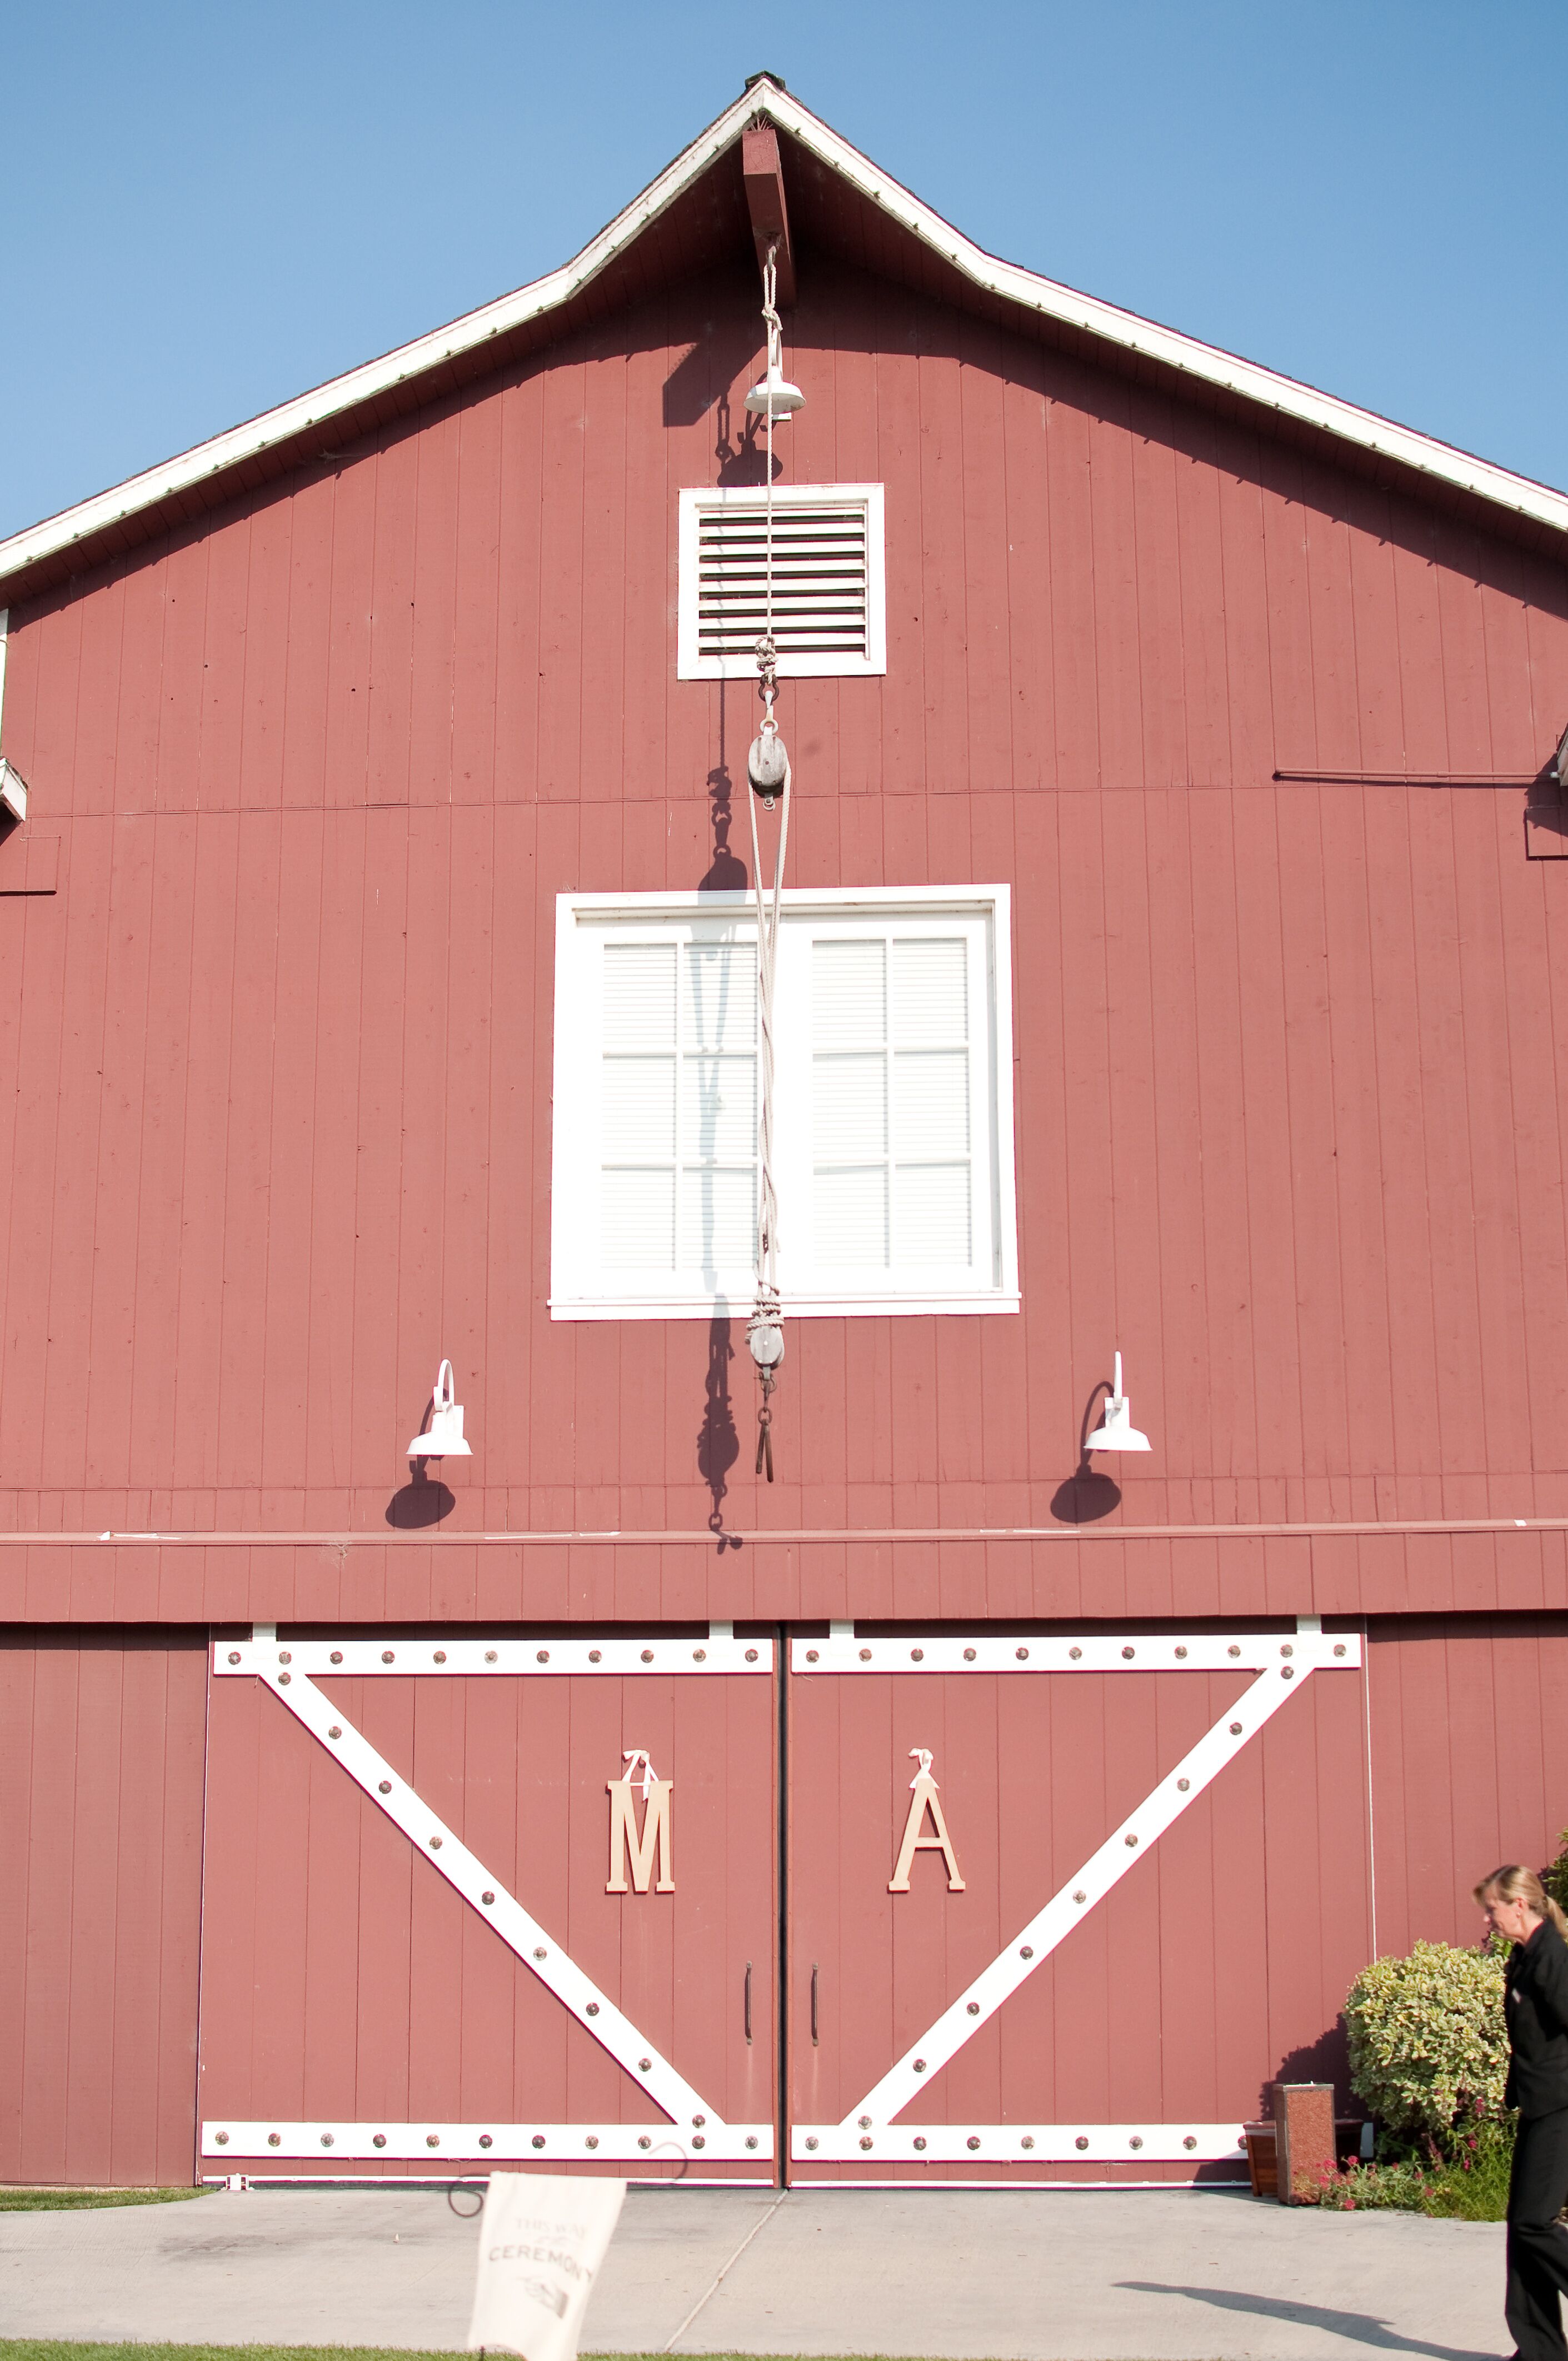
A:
423	1500
718	1444
1327	2060
1086	1494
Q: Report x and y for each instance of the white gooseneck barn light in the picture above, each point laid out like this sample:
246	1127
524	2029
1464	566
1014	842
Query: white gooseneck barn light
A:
444	1440
773	397
1116	1431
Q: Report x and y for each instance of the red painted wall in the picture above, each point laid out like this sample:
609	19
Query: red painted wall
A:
344	1979
275	1057
1468	1741
275	1065
102	1755
1219	1962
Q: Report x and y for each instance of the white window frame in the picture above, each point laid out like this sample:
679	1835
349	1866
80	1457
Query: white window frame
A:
691	665
580	1288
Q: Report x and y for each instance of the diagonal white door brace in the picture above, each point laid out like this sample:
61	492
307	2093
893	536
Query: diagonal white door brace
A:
1069	1906
518	1931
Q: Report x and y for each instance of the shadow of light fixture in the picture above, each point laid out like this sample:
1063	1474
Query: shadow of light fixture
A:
1116	1431
442	1437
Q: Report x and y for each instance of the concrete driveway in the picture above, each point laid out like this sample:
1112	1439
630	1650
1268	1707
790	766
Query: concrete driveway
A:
1063	2275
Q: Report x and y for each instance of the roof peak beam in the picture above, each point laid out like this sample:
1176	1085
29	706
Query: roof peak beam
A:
762	170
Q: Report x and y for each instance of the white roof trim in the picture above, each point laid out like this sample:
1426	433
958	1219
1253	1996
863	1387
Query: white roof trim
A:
1026	288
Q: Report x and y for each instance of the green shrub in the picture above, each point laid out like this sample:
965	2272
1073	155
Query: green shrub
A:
1555	1879
1428	2047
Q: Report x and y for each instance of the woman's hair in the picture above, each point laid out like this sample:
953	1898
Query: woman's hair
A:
1513	1884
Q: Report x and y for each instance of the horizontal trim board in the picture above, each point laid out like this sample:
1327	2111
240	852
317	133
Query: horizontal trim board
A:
829	902
1121	1652
485	1659
392	2182
1019	2181
911	1653
789	1536
1021	2142
498	2142
846	1306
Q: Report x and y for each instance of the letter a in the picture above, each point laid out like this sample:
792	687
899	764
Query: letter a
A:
923	1799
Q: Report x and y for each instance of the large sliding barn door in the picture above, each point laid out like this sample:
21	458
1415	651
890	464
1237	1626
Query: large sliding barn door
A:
1151	1899
473	1901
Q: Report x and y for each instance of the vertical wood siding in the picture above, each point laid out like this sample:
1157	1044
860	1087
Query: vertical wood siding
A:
344	1979
1468	1740
1219	1962
101	1743
274	1062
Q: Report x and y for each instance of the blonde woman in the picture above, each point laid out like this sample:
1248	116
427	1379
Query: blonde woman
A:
1536	2002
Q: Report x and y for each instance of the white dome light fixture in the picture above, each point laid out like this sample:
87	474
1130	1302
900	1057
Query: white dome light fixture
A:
1116	1431
773	396
445	1439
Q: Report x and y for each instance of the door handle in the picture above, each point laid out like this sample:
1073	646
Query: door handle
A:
747	2000
815	1975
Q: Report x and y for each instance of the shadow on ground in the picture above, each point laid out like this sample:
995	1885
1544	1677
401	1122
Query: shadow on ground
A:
1359	2327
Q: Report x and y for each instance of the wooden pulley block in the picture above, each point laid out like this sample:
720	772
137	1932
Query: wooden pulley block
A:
767	764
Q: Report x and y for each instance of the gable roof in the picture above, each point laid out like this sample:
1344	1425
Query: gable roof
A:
166	494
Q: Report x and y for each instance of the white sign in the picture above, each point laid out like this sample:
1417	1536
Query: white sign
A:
542	2239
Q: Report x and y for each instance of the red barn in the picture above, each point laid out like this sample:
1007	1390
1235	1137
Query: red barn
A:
1169	962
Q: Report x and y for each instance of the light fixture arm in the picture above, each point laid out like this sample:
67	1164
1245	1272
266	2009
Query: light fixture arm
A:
1116	1431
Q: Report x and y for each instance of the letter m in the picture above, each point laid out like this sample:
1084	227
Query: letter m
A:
625	1844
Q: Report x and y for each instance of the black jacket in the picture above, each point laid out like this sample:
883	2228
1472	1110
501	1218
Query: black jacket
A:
1536	2002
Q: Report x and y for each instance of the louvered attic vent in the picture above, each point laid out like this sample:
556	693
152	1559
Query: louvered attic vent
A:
829	614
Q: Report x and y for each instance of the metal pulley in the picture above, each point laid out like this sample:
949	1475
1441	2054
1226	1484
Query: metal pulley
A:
767	764
765	1341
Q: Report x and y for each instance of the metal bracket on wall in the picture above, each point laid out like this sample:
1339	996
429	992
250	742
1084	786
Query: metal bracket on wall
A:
1283	1666
695	2130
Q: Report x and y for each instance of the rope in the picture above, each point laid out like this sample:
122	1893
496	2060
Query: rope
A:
763	1332
775	343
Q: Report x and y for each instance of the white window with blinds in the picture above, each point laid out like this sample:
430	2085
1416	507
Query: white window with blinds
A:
829	614
893	1108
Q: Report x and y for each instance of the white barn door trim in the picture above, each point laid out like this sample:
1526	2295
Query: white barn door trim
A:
696	2132
1283	1667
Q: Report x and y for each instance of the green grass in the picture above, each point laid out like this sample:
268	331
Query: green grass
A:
48	2348
62	2201
45	2348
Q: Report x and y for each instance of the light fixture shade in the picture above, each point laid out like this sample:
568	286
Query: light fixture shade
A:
445	1439
1116	1431
773	396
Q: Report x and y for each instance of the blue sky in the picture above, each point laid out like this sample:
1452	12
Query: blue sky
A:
208	209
